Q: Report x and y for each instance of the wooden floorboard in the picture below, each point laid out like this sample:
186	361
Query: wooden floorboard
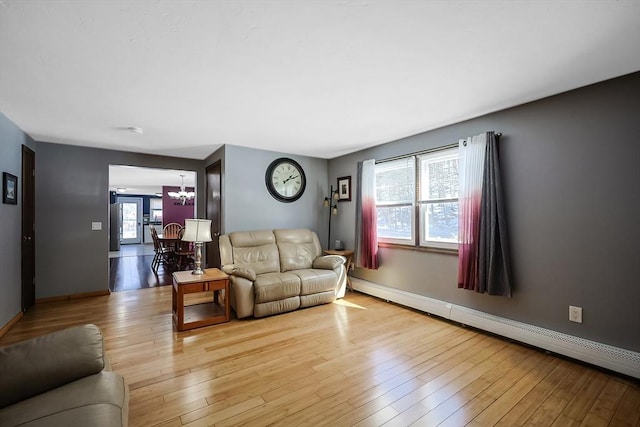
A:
134	272
359	361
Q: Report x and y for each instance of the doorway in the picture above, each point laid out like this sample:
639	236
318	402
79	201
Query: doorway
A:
214	198
130	263
28	228
130	220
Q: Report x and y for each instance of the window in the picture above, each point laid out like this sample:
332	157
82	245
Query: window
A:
438	198
395	200
432	204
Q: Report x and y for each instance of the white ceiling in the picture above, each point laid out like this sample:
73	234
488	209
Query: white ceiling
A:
138	180
315	78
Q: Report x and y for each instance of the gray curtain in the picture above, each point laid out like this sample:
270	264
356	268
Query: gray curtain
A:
494	261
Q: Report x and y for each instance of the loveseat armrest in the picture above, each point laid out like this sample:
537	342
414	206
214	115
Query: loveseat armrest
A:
40	364
244	272
242	296
335	263
328	262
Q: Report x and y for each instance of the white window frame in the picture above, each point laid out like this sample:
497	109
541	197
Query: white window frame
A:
418	205
399	204
433	157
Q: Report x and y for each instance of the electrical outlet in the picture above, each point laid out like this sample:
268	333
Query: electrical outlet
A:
575	314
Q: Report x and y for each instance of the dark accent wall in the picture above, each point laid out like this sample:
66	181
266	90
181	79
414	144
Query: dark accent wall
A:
11	141
173	210
571	168
72	192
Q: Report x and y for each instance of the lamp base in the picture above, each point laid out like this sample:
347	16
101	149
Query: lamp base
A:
198	261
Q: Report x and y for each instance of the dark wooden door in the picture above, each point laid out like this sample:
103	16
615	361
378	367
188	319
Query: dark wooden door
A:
28	228
214	208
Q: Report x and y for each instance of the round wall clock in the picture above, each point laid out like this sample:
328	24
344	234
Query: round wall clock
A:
285	180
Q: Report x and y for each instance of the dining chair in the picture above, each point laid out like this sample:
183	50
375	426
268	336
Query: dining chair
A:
161	252
184	253
172	230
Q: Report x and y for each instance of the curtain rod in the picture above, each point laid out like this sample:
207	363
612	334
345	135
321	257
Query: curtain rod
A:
431	150
498	134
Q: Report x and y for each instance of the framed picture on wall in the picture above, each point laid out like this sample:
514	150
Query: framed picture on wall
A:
344	189
9	188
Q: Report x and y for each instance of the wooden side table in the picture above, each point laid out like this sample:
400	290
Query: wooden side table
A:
348	254
203	314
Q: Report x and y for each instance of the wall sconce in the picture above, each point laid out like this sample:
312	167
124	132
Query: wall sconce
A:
333	197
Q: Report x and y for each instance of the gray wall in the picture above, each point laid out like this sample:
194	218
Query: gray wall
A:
249	206
11	141
71	193
571	164
571	167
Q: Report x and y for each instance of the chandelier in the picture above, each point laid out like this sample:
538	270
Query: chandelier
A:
182	195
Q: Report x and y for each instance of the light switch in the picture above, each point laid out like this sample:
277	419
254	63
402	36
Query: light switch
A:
96	226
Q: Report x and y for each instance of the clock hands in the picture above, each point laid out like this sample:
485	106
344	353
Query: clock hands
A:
289	179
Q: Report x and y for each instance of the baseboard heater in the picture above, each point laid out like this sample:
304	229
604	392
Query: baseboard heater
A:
616	359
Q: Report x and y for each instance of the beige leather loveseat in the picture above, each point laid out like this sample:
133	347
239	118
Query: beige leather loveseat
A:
275	271
61	379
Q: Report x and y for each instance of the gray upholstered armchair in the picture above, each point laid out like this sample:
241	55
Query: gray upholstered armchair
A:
61	379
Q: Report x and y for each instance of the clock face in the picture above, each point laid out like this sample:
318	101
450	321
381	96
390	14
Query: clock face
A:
285	180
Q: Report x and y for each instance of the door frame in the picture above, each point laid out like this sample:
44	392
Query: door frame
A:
213	203
139	228
28	241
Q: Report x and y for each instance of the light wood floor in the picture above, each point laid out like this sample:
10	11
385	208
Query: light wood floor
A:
360	361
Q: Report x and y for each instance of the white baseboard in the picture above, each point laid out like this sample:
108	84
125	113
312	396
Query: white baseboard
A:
613	358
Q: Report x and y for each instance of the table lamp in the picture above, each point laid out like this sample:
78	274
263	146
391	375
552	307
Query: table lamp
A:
197	231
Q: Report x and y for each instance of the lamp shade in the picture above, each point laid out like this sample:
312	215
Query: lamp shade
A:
197	230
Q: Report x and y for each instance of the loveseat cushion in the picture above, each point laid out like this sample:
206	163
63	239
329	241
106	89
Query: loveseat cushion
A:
34	366
317	299
276	286
97	400
313	281
255	249
298	248
276	307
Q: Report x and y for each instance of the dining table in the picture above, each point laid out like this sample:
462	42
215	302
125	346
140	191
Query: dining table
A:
169	240
176	252
169	244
